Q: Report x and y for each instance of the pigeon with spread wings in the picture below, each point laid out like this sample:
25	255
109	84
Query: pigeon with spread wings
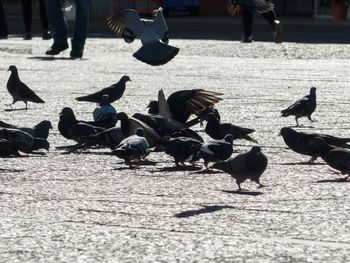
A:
128	24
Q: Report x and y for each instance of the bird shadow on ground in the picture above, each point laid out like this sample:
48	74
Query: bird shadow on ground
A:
136	165
204	210
8	110
303	163
339	180
204	171
242	192
179	168
49	58
11	170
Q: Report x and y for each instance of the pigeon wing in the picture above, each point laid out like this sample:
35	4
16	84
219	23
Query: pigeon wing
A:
26	94
159	23
163	105
127	24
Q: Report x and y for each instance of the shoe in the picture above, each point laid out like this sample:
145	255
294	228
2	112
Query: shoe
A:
278	32
28	36
46	35
76	53
247	39
56	48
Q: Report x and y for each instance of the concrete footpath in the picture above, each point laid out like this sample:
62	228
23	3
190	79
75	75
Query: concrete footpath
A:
90	207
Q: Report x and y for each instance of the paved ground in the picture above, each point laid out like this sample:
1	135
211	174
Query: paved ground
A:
90	207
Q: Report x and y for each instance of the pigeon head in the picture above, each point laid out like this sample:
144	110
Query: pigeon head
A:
40	143
122	116
211	117
44	124
255	149
140	132
125	79
67	114
153	107
313	91
286	131
12	68
229	138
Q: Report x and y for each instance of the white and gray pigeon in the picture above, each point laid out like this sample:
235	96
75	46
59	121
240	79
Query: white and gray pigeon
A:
20	91
134	147
128	24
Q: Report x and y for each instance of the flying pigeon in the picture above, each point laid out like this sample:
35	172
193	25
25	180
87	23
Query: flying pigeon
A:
41	130
134	147
129	25
183	103
250	165
115	92
218	131
181	148
303	107
20	91
336	157
215	150
300	141
23	141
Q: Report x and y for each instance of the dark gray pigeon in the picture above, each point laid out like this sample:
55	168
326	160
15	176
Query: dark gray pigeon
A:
250	165
300	141
303	107
181	148
8	148
115	92
134	147
336	157
70	128
23	141
41	130
110	138
215	151
218	130
20	91
128	24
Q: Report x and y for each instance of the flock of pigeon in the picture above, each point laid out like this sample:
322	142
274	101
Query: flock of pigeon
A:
167	125
167	128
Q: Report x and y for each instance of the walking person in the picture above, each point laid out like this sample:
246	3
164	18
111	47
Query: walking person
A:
27	18
59	27
3	25
248	8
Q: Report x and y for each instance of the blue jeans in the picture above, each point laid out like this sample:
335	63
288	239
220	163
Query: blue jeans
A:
59	26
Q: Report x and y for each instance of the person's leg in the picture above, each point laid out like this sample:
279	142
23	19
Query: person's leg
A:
80	27
3	25
27	18
247	21
44	20
274	24
58	27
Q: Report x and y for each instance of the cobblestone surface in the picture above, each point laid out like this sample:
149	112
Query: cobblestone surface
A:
90	207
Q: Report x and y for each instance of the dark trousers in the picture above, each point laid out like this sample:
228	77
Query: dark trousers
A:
27	15
3	25
247	20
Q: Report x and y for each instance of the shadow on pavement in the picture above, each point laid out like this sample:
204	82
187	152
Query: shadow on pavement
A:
52	58
340	180
179	168
242	192
204	210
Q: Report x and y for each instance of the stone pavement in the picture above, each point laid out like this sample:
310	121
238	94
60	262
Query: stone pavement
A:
90	207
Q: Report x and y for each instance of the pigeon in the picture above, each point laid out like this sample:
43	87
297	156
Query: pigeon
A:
134	147
336	157
182	104
128	24
115	92
250	165
72	129
218	131
303	107
130	125
105	114
300	142
20	91
41	130
110	138
8	148
215	151
181	148
23	141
